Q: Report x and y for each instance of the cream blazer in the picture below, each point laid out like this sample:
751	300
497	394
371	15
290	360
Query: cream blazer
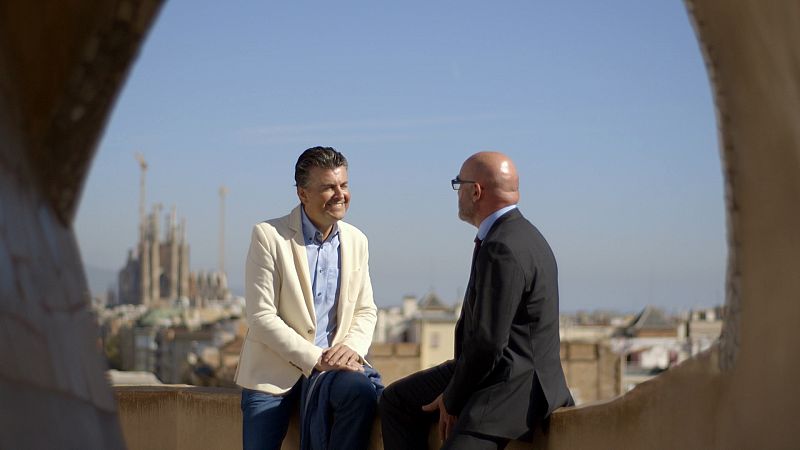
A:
279	345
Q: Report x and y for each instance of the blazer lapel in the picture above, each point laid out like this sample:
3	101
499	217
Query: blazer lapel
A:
301	262
465	321
473	271
345	250
470	294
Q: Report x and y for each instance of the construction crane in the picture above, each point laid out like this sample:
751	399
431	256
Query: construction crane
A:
143	166
223	191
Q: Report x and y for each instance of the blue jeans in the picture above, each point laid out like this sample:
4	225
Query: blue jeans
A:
265	417
352	400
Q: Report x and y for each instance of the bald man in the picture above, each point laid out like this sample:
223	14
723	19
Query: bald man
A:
506	376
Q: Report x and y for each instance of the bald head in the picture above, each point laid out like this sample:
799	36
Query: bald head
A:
497	174
496	185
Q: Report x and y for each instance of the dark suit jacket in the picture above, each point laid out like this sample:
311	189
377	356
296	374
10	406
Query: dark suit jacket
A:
507	368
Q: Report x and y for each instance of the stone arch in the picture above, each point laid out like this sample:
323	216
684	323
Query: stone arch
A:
743	393
61	67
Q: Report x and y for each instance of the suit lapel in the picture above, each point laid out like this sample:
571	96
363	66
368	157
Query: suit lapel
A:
474	271
466	306
470	296
345	250
301	261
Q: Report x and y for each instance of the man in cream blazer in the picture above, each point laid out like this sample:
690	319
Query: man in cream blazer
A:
309	307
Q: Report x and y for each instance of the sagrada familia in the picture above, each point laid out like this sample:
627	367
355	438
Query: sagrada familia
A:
159	270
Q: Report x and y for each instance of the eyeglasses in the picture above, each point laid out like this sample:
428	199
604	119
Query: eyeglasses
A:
457	182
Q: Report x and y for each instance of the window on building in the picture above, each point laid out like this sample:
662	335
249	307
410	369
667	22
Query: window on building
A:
434	340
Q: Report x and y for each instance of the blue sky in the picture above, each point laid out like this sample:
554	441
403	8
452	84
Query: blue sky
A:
605	108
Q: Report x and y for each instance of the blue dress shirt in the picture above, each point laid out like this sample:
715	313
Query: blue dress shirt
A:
324	264
487	223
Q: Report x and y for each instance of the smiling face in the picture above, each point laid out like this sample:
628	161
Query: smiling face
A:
325	197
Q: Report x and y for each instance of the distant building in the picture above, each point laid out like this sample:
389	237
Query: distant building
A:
137	346
205	286
394	360
650	343
417	335
433	327
159	270
647	343
129	282
651	323
177	344
703	328
428	322
229	355
593	371
392	323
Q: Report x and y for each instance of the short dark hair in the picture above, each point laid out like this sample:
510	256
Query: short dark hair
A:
322	157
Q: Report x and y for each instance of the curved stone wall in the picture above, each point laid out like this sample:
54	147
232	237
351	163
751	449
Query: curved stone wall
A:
743	394
61	66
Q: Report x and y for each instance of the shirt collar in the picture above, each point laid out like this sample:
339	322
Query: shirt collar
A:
487	223
311	233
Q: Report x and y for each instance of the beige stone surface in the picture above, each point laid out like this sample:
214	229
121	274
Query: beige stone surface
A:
437	342
592	370
577	351
181	417
394	360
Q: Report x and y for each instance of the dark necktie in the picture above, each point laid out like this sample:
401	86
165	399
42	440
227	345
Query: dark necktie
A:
470	297
475	252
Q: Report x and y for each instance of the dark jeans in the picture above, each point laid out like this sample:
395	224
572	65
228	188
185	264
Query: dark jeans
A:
352	399
406	426
265	417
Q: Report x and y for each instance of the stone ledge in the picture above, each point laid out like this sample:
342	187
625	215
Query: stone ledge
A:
189	417
186	417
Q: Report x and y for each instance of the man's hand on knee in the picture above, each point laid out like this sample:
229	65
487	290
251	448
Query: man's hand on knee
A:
340	357
447	421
